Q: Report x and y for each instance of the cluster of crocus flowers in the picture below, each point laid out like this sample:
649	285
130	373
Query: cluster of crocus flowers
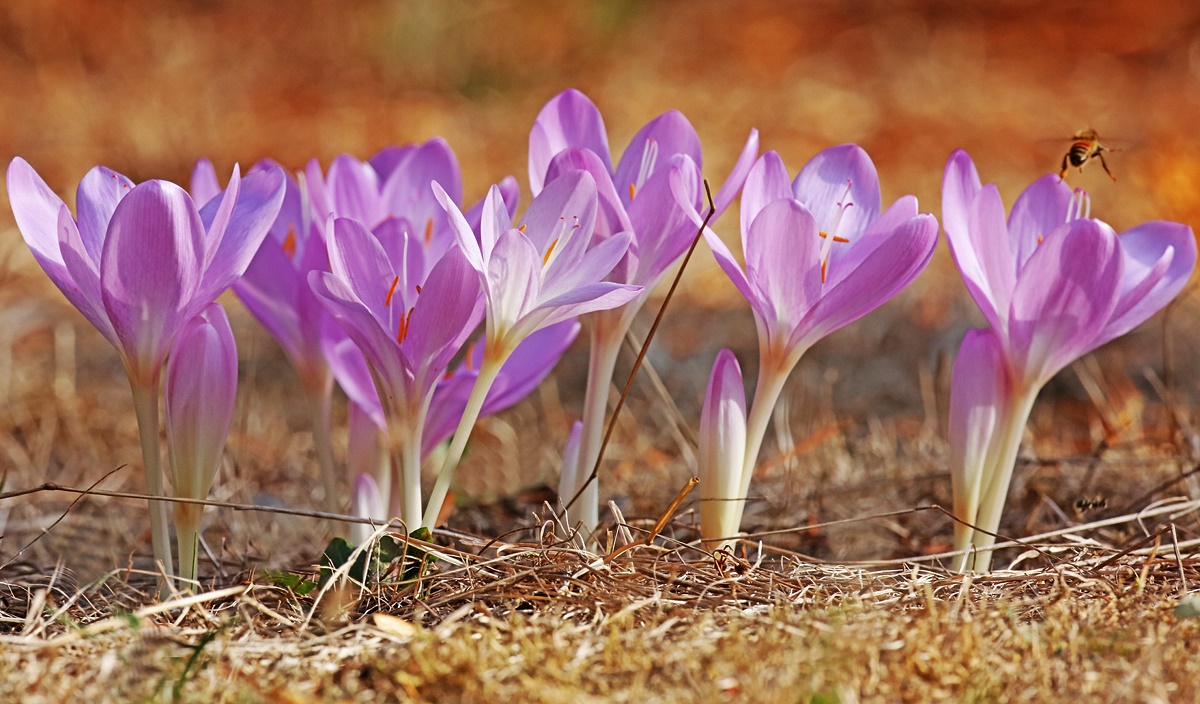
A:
819	255
634	199
1053	284
140	262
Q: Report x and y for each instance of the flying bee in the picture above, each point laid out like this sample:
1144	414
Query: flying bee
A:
1085	147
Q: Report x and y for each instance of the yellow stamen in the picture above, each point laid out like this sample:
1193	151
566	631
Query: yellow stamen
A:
428	231
546	259
521	228
388	301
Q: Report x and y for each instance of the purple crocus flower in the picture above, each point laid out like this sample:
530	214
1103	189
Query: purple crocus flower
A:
635	197
1053	284
139	262
549	269
820	254
200	390
408	330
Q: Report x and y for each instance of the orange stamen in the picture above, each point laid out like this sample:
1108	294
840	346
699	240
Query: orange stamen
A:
521	228
468	357
404	321
843	240
632	190
388	301
289	242
428	231
824	266
418	289
546	259
1040	239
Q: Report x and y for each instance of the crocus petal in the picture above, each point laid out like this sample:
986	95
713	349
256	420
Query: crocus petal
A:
567	202
1039	210
387	159
352	188
979	393
651	148
612	216
149	271
408	183
95	200
783	262
884	273
201	387
375	342
1064	296
35	208
604	295
984	257
722	448
840	185
737	176
357	258
1158	261
446	313
511	193
84	272
960	186
569	272
463	234
766	182
514	280
570	119
494	220
258	203
204	185
846	257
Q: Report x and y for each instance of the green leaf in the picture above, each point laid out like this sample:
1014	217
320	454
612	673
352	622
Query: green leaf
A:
297	583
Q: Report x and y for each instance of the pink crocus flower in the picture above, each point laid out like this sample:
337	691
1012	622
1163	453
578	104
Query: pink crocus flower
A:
635	197
139	262
1053	284
551	268
722	449
819	255
200	390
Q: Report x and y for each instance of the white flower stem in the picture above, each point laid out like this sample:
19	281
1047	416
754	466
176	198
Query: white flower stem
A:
771	379
320	400
187	536
605	348
994	483
145	405
488	371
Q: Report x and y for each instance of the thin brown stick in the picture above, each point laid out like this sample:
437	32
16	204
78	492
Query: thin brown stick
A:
660	523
